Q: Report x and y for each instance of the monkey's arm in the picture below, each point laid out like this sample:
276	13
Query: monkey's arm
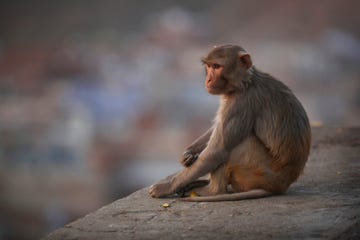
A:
192	152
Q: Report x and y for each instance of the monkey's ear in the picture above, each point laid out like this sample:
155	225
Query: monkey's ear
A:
245	59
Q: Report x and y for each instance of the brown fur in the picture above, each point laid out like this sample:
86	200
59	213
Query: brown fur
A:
260	139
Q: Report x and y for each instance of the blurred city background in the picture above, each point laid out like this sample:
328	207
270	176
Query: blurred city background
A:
100	98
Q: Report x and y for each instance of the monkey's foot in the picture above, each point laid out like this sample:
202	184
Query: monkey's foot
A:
202	191
185	191
188	158
160	190
207	191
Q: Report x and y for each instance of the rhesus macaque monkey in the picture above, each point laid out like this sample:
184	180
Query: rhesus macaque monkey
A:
259	142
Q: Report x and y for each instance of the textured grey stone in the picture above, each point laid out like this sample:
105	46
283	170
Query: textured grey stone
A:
323	204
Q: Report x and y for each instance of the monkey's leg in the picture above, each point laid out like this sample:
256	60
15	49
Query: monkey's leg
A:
218	183
250	165
208	161
193	151
248	171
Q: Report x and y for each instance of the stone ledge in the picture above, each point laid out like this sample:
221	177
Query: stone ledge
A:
323	204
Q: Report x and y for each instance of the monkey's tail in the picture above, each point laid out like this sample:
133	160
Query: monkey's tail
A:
252	194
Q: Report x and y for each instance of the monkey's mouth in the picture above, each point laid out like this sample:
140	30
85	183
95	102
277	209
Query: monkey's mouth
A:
213	90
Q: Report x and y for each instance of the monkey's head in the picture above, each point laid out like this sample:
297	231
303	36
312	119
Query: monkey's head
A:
226	68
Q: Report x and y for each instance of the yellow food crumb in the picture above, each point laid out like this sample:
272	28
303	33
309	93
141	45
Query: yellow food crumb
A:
166	205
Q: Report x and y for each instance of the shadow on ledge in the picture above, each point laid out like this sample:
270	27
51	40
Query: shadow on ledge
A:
323	204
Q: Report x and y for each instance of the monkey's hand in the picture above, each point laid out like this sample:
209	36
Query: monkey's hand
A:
188	158
161	190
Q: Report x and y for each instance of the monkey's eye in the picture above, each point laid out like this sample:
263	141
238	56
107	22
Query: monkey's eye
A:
216	66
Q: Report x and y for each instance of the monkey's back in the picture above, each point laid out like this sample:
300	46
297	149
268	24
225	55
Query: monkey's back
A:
281	124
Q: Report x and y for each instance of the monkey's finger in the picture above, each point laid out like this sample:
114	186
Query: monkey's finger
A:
188	154
185	158
193	158
188	158
188	161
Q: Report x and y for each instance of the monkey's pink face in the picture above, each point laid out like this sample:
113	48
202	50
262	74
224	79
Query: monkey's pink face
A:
214	83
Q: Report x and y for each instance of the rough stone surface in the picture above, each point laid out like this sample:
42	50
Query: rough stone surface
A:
323	204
